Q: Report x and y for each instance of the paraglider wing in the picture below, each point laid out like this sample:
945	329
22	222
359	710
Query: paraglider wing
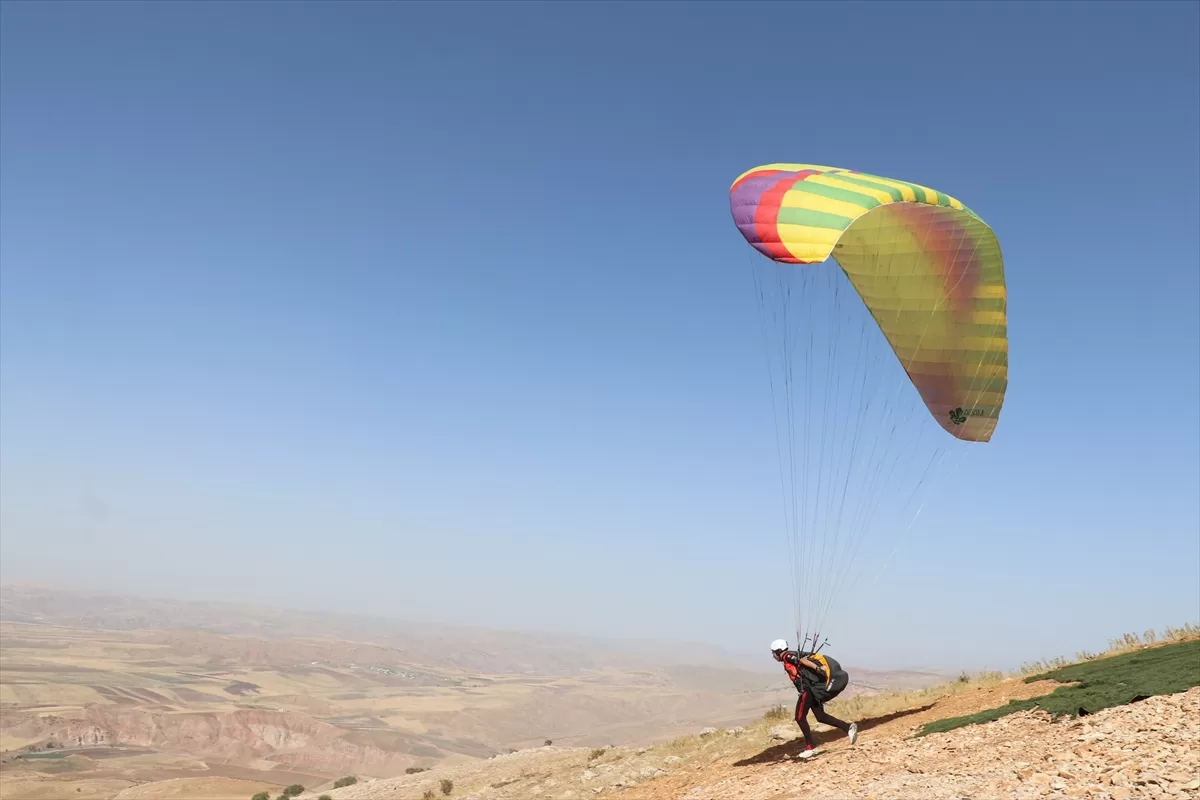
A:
927	267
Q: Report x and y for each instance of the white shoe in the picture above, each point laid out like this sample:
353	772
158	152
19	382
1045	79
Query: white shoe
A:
853	732
806	754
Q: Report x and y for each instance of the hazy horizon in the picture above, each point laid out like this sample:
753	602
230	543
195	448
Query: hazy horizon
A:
750	659
437	311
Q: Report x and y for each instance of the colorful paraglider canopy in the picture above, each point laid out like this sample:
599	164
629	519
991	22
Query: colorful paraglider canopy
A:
927	267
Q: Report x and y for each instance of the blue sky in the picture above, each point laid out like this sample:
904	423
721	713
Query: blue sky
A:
438	311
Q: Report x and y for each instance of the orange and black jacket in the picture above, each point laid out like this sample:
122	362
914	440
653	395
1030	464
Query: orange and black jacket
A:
803	677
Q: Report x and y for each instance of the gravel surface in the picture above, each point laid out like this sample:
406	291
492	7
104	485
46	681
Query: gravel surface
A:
1149	749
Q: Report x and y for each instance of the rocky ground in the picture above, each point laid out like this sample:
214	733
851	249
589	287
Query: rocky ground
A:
1146	750
1150	749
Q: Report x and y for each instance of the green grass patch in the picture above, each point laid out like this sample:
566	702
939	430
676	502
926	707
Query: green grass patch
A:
34	756
1100	684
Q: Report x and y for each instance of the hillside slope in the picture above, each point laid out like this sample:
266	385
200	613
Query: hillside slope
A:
1147	749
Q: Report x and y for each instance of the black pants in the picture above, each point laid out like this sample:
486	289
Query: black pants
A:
814	698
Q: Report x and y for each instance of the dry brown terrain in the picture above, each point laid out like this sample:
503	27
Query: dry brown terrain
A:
222	710
112	702
1147	750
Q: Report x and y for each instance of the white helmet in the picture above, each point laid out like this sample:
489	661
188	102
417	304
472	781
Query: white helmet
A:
778	645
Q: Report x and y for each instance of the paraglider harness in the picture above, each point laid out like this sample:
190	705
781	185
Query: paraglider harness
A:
821	688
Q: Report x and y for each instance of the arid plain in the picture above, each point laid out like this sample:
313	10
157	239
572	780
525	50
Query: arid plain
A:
101	695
